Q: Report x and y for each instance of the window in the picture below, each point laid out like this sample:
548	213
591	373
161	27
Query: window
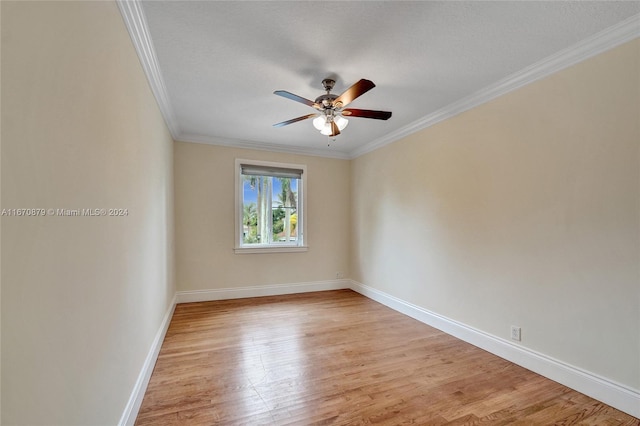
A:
269	207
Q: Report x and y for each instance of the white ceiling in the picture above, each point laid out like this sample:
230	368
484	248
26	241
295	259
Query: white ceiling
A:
217	63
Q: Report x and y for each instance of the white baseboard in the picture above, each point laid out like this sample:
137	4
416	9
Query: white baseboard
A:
258	291
135	400
602	389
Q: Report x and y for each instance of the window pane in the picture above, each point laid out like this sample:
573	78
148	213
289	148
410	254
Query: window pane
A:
270	206
285	208
251	193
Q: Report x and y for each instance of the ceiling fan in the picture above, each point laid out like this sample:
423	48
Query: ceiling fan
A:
330	118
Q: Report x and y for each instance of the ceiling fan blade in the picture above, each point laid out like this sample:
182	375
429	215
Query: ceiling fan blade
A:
366	113
297	98
358	89
295	120
334	129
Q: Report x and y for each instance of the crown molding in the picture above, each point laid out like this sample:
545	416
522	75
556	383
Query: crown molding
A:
136	23
607	39
262	146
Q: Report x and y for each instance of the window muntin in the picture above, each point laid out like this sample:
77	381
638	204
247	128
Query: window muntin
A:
269	207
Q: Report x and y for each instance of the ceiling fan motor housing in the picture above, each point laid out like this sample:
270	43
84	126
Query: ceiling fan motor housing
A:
328	84
326	100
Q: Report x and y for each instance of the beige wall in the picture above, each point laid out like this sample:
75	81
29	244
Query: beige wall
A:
204	209
0	234
523	211
82	297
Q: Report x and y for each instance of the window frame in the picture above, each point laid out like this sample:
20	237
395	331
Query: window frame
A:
300	245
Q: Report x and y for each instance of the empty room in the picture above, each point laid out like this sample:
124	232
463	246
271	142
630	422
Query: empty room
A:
319	212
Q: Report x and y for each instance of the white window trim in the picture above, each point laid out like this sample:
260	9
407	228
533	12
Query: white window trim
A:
302	219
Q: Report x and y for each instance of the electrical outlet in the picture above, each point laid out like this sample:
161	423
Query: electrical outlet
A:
516	333
338	275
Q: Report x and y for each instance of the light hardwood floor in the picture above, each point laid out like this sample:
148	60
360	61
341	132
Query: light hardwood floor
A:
338	358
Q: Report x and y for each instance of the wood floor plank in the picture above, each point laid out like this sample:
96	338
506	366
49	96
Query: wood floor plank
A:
338	358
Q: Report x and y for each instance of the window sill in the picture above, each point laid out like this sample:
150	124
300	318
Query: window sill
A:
270	249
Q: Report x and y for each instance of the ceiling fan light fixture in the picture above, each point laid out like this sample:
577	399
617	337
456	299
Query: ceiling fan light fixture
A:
323	123
326	130
320	122
341	122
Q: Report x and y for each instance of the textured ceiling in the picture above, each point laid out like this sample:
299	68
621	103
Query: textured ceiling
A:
221	61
